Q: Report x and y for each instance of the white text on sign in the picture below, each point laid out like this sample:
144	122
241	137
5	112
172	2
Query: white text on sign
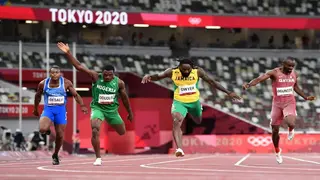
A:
88	16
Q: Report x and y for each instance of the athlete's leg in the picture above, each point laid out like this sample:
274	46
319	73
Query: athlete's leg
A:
44	124
116	122
60	122
276	119
196	112
178	112
97	118
290	115
45	121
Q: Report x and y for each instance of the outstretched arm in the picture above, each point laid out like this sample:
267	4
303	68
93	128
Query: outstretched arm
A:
76	96
156	77
125	99
259	79
37	98
301	93
65	48
203	75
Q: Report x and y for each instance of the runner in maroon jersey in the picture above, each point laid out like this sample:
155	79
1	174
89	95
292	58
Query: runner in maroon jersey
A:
284	83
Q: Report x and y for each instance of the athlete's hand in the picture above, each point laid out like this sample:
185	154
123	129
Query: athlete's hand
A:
63	47
130	117
234	96
84	109
146	79
245	86
35	112
311	98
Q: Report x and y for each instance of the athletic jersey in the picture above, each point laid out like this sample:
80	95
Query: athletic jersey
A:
283	87
105	94
55	96
186	89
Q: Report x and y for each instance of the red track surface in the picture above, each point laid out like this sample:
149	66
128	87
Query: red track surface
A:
167	167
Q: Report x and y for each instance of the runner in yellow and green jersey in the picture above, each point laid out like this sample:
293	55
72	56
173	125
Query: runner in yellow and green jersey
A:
186	99
104	106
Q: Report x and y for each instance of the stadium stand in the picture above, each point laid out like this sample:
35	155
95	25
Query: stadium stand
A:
231	72
250	7
9	93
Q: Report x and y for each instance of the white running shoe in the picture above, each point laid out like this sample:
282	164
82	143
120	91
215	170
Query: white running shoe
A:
291	135
98	162
279	157
179	153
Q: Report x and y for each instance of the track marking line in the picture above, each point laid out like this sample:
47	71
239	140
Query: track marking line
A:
241	160
279	168
45	168
171	161
302	160
72	159
150	166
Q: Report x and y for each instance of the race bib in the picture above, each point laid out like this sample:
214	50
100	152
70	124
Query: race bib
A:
106	98
284	91
187	90
55	100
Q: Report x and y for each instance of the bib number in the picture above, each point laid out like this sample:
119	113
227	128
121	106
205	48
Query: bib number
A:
106	98
284	91
187	90
55	100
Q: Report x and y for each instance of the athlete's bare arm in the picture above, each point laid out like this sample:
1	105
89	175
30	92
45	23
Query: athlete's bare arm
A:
263	77
65	48
301	93
203	75
156	77
125	99
77	97
37	98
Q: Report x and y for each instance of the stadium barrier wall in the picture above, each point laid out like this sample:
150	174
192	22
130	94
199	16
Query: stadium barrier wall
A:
302	143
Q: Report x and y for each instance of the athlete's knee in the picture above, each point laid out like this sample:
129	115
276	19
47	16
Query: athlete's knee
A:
290	119
275	129
177	120
95	132
122	132
177	123
43	130
59	135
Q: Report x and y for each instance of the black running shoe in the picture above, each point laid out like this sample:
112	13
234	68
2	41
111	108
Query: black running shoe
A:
55	159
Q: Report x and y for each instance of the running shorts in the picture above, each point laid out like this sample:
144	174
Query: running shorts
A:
280	111
110	117
57	114
194	108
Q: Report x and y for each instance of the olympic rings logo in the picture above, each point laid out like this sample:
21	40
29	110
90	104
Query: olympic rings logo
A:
259	141
194	20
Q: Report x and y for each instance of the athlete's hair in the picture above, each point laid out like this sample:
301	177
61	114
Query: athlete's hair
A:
54	67
186	61
288	58
109	67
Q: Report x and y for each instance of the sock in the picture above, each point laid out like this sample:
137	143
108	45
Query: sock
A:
277	150
290	129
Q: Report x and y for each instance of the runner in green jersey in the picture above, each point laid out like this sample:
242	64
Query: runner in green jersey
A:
104	106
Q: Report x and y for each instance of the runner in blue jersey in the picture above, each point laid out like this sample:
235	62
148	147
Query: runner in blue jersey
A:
55	90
